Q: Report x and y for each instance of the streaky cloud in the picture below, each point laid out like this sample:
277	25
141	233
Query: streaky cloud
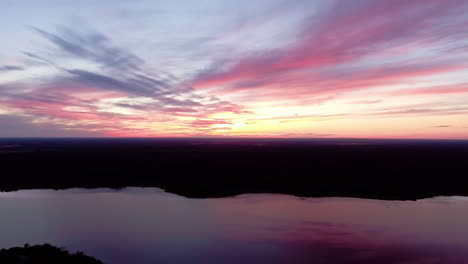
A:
7	68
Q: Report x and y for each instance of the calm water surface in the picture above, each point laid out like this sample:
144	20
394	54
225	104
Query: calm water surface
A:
147	225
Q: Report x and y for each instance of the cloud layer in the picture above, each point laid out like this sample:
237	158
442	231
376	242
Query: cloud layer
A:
339	63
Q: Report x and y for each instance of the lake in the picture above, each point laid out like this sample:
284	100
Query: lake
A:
148	225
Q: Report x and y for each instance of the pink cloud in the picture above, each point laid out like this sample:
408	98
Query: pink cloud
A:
350	46
366	102
344	37
444	89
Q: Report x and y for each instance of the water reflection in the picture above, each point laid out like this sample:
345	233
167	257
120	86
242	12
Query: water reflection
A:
147	225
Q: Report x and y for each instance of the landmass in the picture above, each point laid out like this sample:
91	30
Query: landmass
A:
40	254
207	167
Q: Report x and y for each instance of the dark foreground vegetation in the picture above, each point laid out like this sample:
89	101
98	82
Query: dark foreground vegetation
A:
382	169
43	254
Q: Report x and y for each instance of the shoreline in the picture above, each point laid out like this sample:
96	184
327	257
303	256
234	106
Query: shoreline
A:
209	168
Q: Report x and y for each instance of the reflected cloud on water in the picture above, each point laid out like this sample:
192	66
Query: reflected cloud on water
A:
148	225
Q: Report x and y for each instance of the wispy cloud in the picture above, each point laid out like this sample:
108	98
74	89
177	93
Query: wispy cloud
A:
366	102
276	69
354	45
434	90
92	46
6	68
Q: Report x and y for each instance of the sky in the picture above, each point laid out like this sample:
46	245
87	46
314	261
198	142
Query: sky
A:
243	68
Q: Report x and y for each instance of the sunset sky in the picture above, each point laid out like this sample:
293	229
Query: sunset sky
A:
243	68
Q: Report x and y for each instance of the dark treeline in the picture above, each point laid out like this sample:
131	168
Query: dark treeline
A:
382	169
43	254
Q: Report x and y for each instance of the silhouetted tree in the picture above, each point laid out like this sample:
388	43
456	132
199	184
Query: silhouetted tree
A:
41	254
